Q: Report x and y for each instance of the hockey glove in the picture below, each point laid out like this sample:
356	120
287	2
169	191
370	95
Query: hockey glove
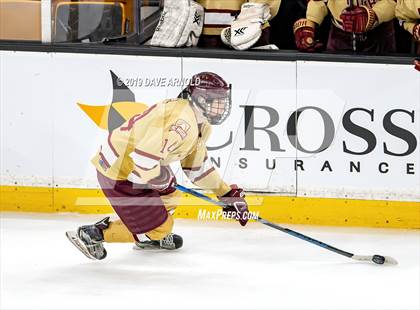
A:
165	183
416	32
236	206
246	29
417	64
304	31
359	20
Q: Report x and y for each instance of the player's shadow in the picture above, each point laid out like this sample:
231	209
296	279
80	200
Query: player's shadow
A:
134	269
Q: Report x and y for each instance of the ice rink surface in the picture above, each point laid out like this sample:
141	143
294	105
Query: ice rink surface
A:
221	266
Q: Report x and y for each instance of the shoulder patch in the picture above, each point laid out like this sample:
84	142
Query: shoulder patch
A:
181	127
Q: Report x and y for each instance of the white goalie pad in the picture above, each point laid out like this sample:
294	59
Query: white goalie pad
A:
193	27
172	23
225	36
244	34
251	10
246	29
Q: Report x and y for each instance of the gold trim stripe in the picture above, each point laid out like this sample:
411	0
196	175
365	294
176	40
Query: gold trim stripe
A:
295	210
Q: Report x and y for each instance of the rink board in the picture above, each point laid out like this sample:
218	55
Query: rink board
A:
354	153
296	210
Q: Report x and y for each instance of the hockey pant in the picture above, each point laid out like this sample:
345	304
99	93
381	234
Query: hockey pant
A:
141	211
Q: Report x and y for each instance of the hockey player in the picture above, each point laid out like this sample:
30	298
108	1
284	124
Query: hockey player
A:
408	13
134	174
357	25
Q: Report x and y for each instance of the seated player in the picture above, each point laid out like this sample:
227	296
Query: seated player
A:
408	13
361	25
281	33
134	174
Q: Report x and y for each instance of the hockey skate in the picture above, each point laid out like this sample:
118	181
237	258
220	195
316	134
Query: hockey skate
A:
89	239
170	242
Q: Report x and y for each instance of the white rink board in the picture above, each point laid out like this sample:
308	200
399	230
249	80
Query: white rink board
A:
57	139
47	140
374	87
252	86
26	119
73	131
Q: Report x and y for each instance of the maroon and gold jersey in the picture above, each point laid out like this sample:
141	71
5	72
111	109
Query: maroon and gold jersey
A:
164	133
318	9
408	13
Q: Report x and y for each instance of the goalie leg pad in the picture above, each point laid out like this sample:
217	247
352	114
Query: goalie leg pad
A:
172	23
193	27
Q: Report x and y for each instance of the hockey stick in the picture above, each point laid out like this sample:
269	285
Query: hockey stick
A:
377	259
353	40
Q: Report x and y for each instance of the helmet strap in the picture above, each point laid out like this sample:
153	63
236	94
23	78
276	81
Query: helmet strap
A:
199	113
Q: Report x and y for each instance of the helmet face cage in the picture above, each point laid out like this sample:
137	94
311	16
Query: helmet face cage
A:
215	104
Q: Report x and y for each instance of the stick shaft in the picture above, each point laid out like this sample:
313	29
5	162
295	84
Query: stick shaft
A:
305	238
353	34
270	224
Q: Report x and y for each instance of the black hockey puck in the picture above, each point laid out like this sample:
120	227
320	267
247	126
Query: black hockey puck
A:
378	259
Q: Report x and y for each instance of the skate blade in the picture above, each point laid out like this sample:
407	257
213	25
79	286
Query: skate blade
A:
75	240
149	247
140	248
146	247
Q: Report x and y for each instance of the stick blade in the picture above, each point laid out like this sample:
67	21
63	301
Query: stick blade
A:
377	259
390	260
